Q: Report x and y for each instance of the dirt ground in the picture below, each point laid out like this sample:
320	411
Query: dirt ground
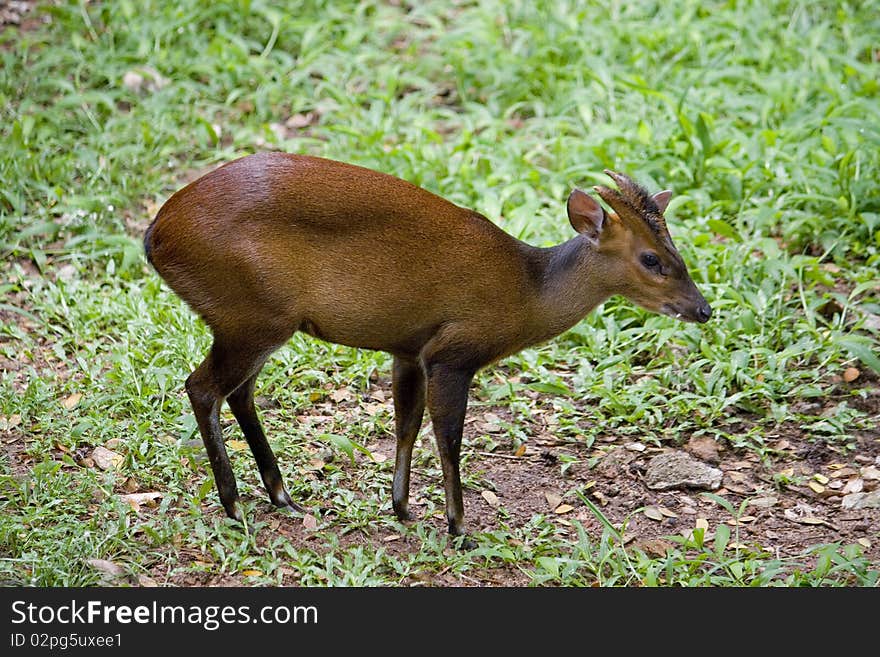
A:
796	495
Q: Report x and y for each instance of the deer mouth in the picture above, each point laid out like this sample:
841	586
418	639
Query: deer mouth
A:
700	314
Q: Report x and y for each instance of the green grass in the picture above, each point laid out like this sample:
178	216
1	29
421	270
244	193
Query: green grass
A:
762	116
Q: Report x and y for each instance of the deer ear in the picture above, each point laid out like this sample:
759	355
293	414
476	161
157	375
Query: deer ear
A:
585	214
662	199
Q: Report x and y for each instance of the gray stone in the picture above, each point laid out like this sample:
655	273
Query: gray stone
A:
862	500
677	469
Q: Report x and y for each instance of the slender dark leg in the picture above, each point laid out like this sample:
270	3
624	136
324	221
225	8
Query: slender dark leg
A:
447	403
241	401
408	387
228	365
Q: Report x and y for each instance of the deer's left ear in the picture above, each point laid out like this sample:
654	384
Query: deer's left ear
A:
662	199
586	215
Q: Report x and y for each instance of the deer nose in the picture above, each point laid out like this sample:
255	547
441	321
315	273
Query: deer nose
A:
704	312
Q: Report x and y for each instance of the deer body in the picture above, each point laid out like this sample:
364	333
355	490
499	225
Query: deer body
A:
271	244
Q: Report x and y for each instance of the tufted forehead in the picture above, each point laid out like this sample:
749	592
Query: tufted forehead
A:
632	199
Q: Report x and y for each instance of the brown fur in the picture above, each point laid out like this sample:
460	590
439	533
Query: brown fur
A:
271	244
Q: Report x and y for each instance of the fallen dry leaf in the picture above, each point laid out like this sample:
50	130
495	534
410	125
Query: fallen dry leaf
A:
341	395
763	502
653	513
563	508
310	521
10	422
701	523
553	499
391	537
822	479
252	573
136	499
106	567
853	486
298	121
520	450
106	459
72	400
654	547
667	512
816	487
864	542
236	445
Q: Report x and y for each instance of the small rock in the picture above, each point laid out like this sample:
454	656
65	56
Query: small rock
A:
871	473
704	448
615	460
678	469
106	459
861	500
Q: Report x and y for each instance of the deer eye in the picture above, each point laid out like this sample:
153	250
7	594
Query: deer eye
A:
650	261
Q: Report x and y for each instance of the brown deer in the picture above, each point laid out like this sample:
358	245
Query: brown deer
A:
272	243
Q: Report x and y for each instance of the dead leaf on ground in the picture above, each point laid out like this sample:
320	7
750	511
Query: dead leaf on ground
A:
763	502
108	569
816	487
298	121
10	422
807	519
701	523
853	486
106	459
391	537
653	513
236	445
520	450
71	400
654	547
563	508
553	499
341	395
135	500
310	522
850	374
